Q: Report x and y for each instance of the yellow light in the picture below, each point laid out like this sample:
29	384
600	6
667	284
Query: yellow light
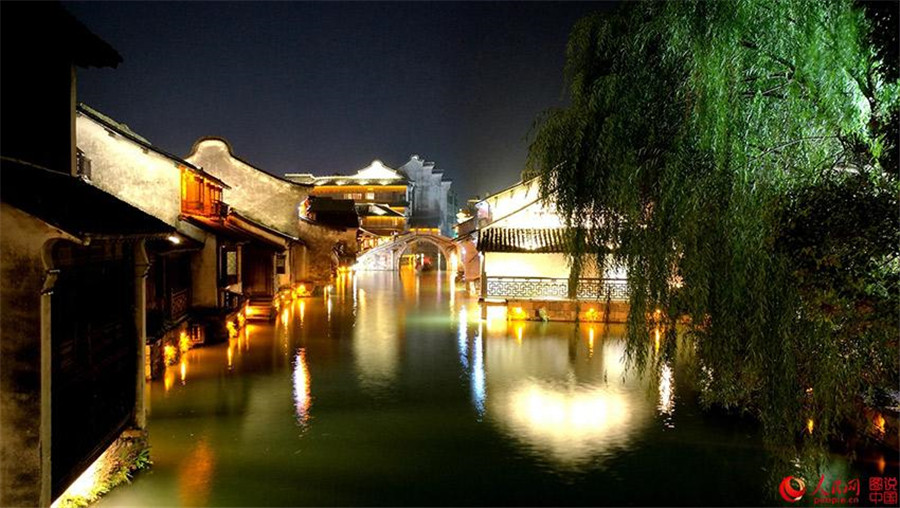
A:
184	343
810	425
232	330
517	314
302	310
519	330
879	423
284	317
591	314
86	486
881	463
169	352
183	370
168	379
656	333
590	342
230	357
174	239
241	320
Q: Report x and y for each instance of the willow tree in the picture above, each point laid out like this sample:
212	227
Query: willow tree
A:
736	157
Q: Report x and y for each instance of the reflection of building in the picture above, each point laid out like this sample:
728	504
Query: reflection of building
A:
522	257
389	201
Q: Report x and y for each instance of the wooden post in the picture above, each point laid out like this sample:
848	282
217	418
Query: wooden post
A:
141	268
46	429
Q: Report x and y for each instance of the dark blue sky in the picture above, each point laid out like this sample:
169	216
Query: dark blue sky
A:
327	87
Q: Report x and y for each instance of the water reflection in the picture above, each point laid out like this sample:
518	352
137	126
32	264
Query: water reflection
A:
462	337
479	393
302	399
567	400
377	337
515	411
195	474
666	391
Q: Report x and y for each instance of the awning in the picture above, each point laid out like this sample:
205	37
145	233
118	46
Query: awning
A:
525	240
238	228
73	205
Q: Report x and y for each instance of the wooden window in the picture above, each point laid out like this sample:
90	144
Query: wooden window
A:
229	267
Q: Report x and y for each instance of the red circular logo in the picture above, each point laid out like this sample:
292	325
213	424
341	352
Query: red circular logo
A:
789	492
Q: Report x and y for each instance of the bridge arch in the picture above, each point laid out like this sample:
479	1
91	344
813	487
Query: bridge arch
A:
446	248
387	256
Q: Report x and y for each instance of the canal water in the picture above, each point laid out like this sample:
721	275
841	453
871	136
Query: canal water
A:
390	390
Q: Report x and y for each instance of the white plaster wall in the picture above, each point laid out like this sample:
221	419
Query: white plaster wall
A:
144	179
511	200
513	264
254	193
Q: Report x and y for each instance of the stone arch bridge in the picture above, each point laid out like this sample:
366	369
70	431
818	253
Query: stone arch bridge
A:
387	256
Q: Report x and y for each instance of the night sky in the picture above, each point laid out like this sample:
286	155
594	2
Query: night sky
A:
327	87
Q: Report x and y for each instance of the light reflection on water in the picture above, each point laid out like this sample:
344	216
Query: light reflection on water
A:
387	390
302	398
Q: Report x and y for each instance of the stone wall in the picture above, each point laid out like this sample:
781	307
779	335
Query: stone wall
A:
469	260
568	310
22	276
320	243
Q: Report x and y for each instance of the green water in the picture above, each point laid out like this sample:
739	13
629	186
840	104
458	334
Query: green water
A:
391	391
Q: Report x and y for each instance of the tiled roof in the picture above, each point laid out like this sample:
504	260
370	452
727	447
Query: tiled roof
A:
522	240
377	210
335	213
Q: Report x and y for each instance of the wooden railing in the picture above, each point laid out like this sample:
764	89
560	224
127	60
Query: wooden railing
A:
207	209
180	302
